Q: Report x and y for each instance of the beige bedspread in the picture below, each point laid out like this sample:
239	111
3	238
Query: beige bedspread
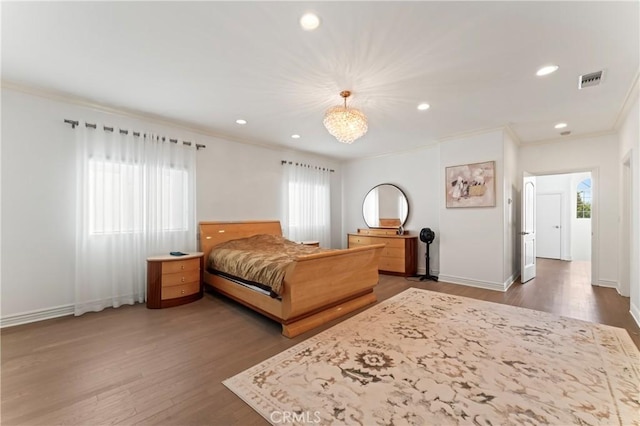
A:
262	258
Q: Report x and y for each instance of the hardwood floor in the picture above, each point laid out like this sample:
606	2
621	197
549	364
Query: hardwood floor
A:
136	365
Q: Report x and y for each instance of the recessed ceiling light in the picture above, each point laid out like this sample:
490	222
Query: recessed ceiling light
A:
560	125
241	121
546	70
309	21
424	106
295	136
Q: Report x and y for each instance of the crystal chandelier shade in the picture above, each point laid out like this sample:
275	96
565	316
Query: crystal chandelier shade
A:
345	124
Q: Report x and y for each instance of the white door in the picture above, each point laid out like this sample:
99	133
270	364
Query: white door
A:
528	233
548	225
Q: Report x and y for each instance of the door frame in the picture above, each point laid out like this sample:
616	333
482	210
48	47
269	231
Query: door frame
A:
528	234
626	226
595	202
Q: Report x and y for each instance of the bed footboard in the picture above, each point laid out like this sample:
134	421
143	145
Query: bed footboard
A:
321	280
301	325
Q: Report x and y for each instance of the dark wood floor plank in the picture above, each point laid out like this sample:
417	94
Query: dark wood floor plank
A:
134	365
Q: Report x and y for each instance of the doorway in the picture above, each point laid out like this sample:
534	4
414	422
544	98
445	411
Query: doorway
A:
564	220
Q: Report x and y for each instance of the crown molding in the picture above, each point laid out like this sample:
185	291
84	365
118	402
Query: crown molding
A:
628	102
392	153
470	133
130	113
513	135
442	140
569	138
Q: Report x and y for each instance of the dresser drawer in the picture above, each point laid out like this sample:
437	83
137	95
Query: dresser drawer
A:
180	290
179	278
361	241
393	252
180	265
392	264
398	257
393	242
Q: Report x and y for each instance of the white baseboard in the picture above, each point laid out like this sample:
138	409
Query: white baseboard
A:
607	283
33	316
473	283
635	313
512	279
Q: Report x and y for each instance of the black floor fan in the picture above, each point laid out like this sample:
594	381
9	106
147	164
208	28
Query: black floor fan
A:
427	236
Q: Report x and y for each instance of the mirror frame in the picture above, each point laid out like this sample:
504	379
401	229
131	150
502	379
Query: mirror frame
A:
405	198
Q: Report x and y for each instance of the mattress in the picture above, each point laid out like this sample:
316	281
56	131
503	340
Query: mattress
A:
261	259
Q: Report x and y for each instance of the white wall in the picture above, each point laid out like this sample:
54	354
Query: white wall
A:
512	187
583	154
38	205
630	145
472	244
243	182
234	182
417	173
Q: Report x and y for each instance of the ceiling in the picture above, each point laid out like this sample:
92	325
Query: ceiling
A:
206	64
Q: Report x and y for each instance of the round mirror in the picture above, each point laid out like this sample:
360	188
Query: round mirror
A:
385	206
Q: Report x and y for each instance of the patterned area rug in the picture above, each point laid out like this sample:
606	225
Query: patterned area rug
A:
429	358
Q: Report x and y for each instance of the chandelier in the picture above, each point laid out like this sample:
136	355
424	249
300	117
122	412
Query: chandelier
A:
345	124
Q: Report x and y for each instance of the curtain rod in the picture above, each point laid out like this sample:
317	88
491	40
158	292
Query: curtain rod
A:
75	123
283	162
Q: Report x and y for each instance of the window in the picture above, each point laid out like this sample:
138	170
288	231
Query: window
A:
306	203
175	200
117	194
583	207
135	198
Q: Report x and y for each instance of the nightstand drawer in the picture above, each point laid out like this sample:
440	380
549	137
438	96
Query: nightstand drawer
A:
180	290
180	265
173	280
179	278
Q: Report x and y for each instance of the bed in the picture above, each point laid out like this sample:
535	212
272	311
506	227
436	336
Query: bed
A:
316	289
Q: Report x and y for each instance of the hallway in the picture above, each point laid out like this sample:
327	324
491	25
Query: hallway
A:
565	288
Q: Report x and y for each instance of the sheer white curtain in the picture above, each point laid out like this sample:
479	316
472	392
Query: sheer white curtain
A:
306	203
135	198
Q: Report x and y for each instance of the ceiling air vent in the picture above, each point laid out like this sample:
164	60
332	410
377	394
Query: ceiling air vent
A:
591	79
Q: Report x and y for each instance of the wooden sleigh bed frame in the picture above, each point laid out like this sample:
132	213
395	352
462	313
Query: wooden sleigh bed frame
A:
317	287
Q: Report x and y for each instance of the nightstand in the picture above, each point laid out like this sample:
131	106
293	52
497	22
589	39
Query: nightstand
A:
174	280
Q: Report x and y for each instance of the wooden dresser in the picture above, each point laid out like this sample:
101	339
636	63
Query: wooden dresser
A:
399	257
174	280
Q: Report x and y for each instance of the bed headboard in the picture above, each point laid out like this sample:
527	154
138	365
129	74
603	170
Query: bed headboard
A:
214	233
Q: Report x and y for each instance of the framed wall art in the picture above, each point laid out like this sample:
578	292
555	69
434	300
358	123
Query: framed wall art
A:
471	185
